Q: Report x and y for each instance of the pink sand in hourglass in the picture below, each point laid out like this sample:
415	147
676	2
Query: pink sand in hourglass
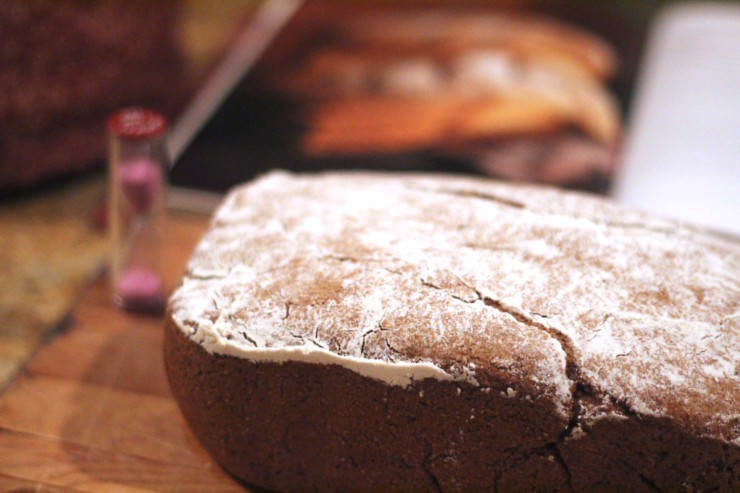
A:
140	289
141	180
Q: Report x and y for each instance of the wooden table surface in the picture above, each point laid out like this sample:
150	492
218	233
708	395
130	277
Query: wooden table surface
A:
93	411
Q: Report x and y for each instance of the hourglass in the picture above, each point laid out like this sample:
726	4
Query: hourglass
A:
138	176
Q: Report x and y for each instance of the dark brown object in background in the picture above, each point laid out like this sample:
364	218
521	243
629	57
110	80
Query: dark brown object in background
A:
66	66
566	158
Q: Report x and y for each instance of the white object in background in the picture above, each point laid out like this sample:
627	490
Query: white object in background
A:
682	152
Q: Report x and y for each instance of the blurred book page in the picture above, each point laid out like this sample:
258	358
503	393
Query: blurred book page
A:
681	156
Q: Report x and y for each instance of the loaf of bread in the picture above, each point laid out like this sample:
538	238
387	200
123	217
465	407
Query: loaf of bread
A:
366	332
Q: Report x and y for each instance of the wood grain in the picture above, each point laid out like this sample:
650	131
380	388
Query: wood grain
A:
130	360
93	412
115	420
10	484
55	462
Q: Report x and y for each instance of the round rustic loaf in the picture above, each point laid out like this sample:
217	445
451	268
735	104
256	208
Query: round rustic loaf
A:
366	332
